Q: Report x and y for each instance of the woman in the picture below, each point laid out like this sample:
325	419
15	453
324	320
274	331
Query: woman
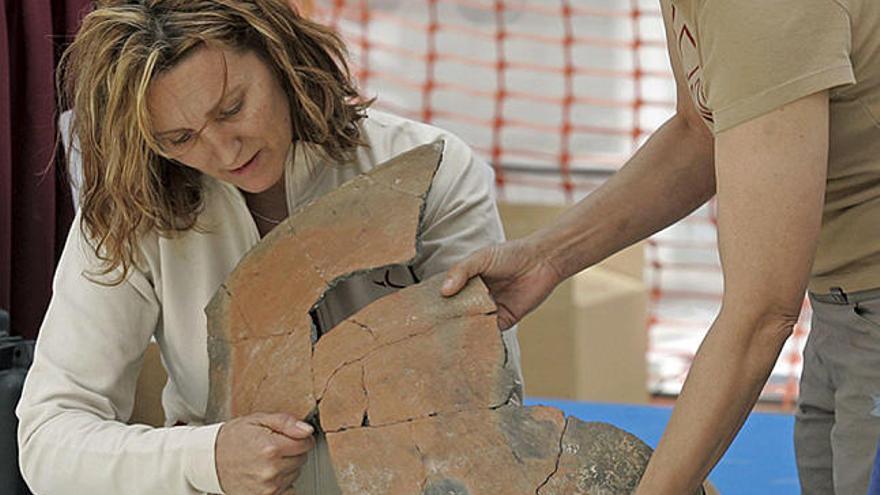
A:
202	124
777	113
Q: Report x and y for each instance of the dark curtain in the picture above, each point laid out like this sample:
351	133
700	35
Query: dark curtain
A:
35	204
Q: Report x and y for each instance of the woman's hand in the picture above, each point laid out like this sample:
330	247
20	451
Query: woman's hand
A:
261	454
517	273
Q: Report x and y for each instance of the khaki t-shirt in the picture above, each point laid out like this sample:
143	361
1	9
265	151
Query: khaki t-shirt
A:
744	58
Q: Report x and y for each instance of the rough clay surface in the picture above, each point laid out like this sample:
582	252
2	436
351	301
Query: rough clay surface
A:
411	391
259	328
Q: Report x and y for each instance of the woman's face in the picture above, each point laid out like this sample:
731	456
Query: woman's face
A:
223	112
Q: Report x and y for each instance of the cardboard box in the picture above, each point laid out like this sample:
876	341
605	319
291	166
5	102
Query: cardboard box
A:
588	340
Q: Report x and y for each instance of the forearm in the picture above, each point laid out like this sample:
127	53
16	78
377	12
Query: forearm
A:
670	176
80	389
771	178
724	383
75	452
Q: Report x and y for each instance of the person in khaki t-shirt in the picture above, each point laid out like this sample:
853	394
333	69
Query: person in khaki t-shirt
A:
777	114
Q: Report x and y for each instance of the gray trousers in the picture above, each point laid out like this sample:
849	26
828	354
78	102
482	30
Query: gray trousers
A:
837	425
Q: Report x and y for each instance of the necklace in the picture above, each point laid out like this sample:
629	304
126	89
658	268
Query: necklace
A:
255	213
265	218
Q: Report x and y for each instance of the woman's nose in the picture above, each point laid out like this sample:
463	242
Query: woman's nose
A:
224	145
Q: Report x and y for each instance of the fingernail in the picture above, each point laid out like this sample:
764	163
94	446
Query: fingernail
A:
447	284
305	427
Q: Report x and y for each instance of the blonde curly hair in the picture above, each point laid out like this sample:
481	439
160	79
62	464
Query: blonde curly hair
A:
128	186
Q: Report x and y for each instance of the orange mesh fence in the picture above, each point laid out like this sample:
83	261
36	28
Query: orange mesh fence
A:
556	95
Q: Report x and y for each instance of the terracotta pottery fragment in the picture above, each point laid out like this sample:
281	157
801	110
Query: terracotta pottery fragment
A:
411	391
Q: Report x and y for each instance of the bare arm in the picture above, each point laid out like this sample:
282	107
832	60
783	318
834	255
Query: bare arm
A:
771	181
669	177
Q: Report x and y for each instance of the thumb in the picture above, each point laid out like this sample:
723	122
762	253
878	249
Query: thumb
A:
461	272
286	425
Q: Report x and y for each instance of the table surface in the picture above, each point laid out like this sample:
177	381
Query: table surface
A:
760	461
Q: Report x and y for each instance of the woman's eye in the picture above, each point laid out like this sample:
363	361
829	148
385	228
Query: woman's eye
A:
181	138
231	111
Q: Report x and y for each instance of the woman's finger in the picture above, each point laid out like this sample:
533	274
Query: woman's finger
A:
284	424
288	478
289	447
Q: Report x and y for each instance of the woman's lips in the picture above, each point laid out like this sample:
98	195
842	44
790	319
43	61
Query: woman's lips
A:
247	166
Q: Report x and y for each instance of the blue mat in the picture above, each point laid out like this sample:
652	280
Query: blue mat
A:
760	461
874	489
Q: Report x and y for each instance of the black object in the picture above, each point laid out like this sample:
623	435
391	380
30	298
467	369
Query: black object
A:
16	355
